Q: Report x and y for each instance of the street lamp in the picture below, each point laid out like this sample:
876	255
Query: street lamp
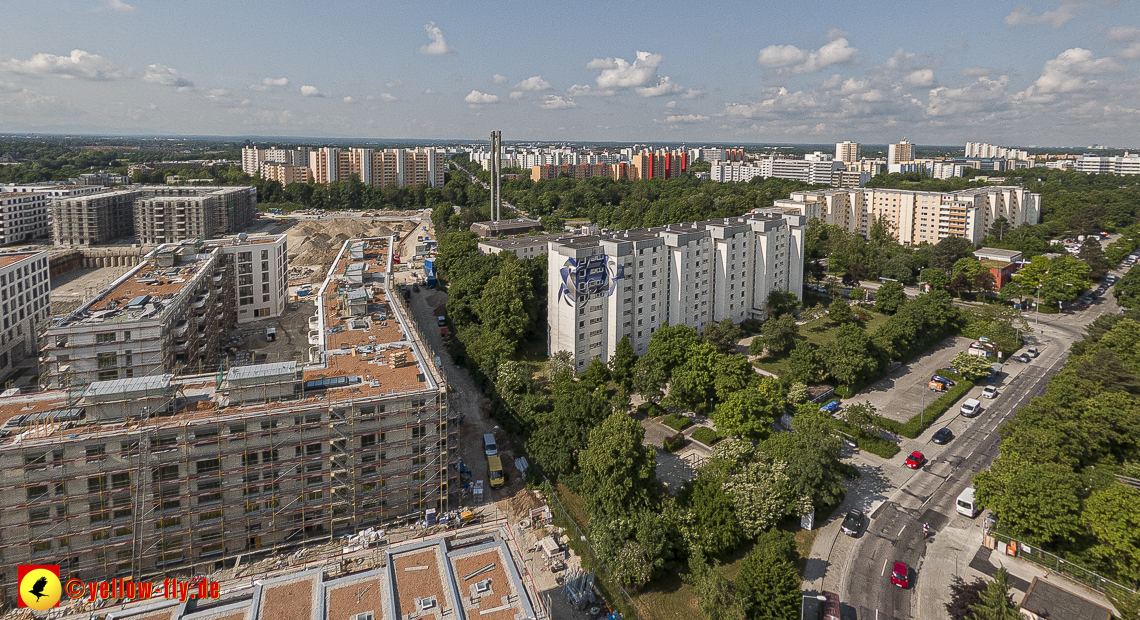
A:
821	598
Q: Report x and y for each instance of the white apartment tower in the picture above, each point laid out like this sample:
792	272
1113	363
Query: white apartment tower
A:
24	286
629	283
847	151
24	216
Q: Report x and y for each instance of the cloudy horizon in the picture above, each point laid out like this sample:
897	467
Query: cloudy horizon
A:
1051	72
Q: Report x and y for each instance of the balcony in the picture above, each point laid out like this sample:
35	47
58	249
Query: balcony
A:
314	322
180	329
181	347
200	302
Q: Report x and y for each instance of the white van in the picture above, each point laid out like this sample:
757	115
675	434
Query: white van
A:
489	447
971	407
966	504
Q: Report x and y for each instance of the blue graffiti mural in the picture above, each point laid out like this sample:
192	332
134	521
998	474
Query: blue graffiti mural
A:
595	275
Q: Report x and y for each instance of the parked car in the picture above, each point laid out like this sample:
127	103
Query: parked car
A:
900	575
944	380
1032	352
915	460
852	523
1023	358
937	386
942	436
831	407
1083	305
971	407
989	392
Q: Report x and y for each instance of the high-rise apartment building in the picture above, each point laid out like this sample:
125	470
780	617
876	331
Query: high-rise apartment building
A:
629	283
659	165
991	151
93	219
1095	164
24	287
847	151
900	152
816	170
583	171
285	173
169	214
915	217
159	475
388	168
24	216
254	159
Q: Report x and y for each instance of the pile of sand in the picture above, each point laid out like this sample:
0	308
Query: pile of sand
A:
316	242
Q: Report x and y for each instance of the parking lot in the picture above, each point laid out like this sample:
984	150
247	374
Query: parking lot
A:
903	393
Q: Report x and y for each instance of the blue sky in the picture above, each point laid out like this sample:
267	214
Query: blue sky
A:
1044	73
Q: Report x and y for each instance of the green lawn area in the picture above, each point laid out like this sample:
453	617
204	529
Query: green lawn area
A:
820	332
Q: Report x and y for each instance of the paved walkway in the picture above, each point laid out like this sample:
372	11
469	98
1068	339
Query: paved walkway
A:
674	469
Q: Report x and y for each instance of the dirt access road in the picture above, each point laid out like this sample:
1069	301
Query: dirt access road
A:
467	399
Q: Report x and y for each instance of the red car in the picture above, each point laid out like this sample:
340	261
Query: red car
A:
900	575
915	460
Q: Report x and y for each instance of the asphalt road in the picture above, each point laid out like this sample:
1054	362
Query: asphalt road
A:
894	532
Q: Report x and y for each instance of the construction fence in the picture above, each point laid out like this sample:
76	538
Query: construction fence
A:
579	541
1055	564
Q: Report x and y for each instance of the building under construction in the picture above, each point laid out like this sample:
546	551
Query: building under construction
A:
163	475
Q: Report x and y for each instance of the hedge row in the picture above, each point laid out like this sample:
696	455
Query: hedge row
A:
878	446
705	435
676	422
920	422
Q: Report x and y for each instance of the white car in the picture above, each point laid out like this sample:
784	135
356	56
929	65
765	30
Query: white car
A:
989	391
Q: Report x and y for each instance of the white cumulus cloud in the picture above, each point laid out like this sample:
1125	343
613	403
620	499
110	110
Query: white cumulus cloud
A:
499	79
476	97
1022	15
389	97
584	90
267	83
310	91
165	76
438	45
120	6
348	99
77	64
533	83
791	59
920	77
1069	72
686	118
665	86
556	102
620	73
517	94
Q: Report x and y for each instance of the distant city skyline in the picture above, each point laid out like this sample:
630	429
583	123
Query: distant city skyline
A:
1051	72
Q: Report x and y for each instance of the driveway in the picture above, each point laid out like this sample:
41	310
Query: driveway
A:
903	392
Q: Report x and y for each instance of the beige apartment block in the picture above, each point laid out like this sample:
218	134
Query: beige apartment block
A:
285	173
24	286
387	168
157	475
169	214
93	219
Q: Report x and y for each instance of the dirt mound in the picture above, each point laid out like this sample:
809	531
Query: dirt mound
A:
316	242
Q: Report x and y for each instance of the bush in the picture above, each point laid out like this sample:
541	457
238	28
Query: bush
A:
878	446
705	435
913	427
650	410
677	422
674	442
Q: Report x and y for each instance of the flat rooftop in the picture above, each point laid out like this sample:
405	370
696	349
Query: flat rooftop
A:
373	355
473	578
9	258
524	241
144	292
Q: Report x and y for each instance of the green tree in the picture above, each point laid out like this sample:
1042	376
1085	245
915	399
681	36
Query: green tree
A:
862	416
948	251
963	596
972	274
1093	255
623	362
839	312
561	434
708	516
561	361
716	599
811	453
890	297
1113	516
999	228
850	357
670	346
596	375
693	383
804	363
618	472
1127	289
996	602
768	586
780	333
749	413
732	373
758	485
723	335
782	302
649	378
972	367
797	393
936	278
1039	503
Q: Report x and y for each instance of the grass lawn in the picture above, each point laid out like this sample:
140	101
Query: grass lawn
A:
820	332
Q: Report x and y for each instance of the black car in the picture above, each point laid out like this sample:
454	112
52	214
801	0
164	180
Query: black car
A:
942	379
1023	358
942	436
852	523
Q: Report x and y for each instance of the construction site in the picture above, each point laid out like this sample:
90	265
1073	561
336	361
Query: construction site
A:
186	475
